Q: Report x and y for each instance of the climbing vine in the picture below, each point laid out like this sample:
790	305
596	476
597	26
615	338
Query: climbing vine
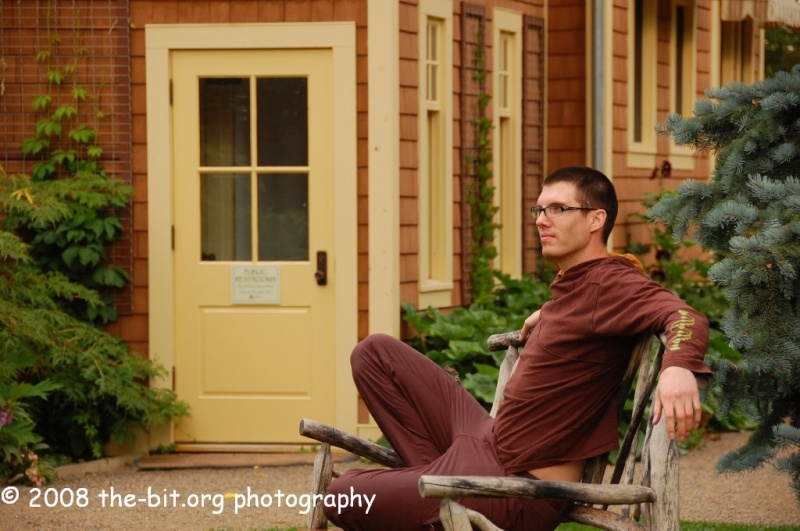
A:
64	147
480	195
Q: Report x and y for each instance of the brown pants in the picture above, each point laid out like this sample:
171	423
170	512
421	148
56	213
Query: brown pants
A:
438	429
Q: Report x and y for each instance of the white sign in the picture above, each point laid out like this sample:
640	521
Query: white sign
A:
255	285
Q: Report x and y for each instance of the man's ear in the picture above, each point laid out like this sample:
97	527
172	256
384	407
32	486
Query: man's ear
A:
598	220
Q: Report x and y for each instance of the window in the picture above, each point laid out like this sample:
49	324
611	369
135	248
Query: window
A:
642	83
435	154
684	59
507	152
737	52
638	74
684	74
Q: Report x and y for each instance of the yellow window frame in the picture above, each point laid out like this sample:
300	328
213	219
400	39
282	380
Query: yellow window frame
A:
435	146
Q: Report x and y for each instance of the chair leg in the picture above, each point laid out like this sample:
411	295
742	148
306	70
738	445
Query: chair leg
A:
320	481
453	516
456	517
664	473
480	521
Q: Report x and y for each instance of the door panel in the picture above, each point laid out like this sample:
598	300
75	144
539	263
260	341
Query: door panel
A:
253	205
223	375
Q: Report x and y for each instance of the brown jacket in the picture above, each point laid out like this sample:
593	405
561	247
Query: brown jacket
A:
560	403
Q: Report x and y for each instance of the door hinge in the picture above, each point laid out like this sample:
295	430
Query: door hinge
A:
170	93
172	237
173	378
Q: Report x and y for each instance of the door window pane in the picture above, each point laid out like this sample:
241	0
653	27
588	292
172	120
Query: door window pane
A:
224	122
283	216
226	212
282	121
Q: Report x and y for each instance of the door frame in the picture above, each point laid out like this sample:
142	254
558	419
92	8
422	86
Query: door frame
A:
160	41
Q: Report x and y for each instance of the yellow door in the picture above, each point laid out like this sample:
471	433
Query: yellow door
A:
253	228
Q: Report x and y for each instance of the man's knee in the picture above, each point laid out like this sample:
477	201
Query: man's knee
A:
368	349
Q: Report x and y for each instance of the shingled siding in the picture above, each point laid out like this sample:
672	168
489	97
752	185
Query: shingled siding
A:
95	35
566	84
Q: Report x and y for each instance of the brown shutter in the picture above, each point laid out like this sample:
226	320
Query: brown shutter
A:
533	133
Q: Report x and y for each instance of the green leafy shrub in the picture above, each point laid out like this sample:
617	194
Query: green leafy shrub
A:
458	339
98	390
77	245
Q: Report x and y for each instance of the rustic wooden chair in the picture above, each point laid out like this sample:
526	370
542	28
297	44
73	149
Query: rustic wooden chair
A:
650	505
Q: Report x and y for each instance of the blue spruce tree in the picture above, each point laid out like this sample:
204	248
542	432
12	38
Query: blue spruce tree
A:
748	216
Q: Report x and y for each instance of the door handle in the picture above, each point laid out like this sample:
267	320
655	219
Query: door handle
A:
321	275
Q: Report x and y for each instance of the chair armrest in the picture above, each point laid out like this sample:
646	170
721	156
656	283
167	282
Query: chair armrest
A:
502	341
514	487
351	443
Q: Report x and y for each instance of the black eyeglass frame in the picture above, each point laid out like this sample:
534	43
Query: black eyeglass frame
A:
555	210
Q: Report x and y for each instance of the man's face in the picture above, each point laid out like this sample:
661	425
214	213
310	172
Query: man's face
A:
564	238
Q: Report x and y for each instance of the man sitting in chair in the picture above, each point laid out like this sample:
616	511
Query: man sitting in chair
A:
559	406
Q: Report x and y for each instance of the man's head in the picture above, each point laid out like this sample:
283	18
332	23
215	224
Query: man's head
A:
594	190
575	215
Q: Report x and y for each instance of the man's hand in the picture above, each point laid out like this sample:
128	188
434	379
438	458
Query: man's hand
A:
530	323
678	399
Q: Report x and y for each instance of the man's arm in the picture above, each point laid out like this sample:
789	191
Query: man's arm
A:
677	397
685	334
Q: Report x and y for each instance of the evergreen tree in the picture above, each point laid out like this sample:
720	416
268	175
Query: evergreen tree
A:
748	215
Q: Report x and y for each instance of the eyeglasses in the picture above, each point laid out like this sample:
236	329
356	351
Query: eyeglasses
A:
554	211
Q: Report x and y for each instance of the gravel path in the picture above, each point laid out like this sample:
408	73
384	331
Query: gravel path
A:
763	497
760	497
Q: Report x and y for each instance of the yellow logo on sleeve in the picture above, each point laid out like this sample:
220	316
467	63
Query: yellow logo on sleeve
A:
681	329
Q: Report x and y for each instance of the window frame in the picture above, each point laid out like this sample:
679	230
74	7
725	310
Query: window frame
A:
507	151
435	200
737	52
683	74
642	95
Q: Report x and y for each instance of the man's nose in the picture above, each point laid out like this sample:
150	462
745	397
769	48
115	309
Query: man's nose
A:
542	219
